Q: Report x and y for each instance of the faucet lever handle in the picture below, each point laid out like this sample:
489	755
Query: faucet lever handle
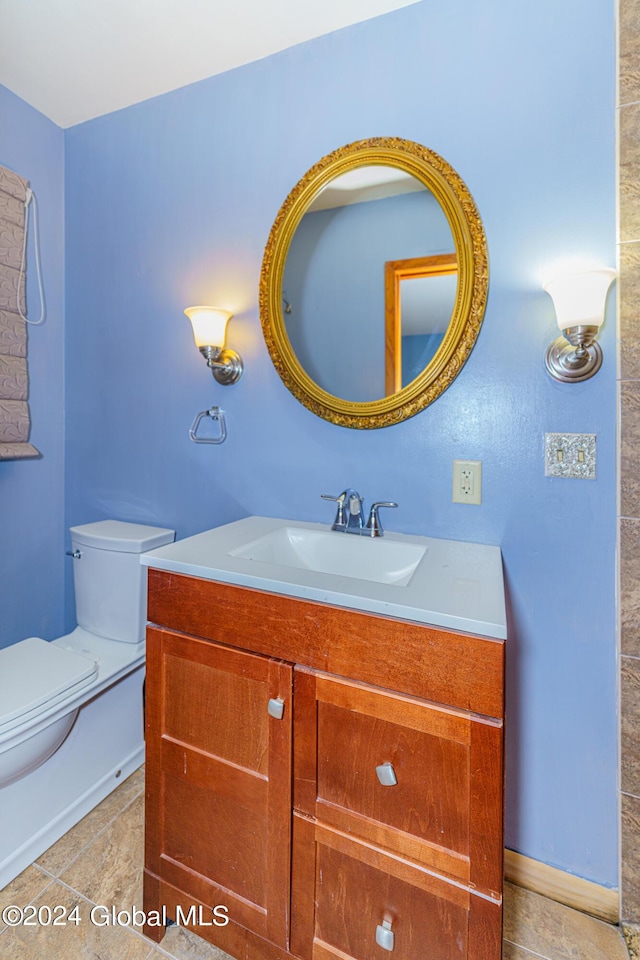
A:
374	525
339	523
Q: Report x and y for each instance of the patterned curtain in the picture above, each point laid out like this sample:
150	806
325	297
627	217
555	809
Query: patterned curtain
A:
14	382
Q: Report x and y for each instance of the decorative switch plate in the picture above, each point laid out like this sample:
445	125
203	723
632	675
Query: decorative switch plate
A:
570	455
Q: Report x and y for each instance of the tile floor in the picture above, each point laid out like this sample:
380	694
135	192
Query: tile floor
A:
100	862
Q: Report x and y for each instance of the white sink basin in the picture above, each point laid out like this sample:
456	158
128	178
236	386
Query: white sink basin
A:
446	583
342	555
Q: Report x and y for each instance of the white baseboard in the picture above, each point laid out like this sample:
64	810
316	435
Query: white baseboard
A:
51	831
584	895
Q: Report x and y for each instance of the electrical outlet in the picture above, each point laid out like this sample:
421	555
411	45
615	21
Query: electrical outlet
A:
467	481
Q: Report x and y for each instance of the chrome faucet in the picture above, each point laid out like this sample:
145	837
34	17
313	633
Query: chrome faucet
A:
350	514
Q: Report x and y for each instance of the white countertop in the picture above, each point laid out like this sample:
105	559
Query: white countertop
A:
456	584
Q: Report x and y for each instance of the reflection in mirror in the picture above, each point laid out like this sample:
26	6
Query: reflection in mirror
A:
334	278
323	289
420	295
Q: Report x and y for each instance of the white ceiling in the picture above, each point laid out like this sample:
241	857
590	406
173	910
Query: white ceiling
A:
78	59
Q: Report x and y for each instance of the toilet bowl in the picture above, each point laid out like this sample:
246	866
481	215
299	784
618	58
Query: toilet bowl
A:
71	709
39	681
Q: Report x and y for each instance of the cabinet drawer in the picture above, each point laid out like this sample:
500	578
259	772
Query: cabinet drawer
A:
430	798
354	899
343	890
403	774
364	898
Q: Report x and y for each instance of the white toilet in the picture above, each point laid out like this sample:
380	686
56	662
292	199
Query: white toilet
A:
71	709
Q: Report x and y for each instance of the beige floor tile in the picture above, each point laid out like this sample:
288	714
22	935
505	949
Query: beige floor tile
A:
182	944
510	951
109	870
58	857
557	932
23	889
82	941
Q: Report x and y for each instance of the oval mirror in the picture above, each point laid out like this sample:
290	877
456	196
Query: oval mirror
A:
374	283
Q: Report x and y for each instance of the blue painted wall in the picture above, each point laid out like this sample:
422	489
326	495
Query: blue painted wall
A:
170	203
32	491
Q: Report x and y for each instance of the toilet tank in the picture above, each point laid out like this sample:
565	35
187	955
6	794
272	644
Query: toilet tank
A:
110	582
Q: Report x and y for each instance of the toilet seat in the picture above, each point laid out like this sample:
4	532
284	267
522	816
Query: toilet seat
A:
36	675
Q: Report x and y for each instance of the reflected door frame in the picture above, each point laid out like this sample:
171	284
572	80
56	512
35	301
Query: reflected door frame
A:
395	271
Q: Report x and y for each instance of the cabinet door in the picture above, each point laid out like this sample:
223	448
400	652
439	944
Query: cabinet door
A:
219	778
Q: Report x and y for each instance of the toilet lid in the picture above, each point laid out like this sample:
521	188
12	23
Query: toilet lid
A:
35	674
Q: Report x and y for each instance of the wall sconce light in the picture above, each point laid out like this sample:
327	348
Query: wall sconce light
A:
579	299
209	332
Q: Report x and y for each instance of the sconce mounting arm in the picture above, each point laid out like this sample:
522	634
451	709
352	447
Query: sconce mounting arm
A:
225	365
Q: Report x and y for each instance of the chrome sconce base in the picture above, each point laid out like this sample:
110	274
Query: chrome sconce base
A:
225	365
575	356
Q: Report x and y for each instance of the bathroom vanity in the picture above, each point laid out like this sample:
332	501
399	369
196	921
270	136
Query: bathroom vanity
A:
328	776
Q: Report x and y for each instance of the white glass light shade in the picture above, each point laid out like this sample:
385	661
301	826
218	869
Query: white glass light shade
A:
579	298
209	325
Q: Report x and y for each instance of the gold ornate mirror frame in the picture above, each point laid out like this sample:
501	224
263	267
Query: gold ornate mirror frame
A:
471	252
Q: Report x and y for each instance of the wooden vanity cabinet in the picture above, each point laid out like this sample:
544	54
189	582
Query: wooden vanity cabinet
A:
335	818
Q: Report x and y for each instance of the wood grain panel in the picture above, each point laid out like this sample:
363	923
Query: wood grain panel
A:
278	867
395	707
305	737
485	930
195	886
217	837
324	951
203	770
303	872
153	809
195	716
486	840
396	654
431	797
214	823
393	865
454	866
151	898
353	898
234	938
